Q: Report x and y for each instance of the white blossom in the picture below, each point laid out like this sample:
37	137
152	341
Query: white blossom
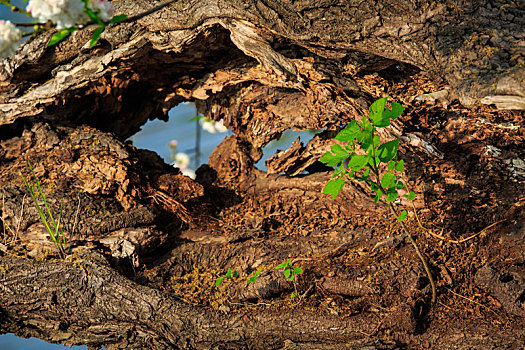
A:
69	13
9	39
64	13
219	126
103	8
181	161
212	126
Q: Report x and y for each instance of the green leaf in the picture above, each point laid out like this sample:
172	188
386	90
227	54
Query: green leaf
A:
229	273
292	295
96	36
297	271
284	264
395	112
387	151
376	112
388	180
374	187
253	279
287	273
391	165
411	195
333	159
118	18
391	196
378	196
400	185
93	16
340	171
358	162
338	150
219	281
402	216
61	35
199	117
365	175
365	136
400	166
235	274
333	187
349	133
380	116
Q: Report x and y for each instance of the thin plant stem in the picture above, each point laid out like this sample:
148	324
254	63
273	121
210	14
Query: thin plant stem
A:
53	232
419	254
409	235
14	8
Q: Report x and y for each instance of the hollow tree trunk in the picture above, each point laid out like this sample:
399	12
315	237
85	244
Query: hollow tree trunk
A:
264	67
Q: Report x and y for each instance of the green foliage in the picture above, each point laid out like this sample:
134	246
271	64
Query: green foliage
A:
373	162
64	33
253	279
366	153
55	231
61	35
289	270
118	18
96	35
229	275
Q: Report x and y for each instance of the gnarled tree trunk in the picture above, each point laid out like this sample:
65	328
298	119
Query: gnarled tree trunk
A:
142	273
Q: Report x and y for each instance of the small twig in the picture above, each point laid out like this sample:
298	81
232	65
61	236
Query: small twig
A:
14	8
470	300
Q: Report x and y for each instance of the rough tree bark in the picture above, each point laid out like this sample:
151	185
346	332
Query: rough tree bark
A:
266	66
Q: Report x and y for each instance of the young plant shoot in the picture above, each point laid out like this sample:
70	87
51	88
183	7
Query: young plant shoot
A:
372	162
56	232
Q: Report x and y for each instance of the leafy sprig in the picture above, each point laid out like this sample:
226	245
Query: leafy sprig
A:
362	157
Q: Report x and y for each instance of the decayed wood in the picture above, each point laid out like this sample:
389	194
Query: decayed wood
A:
263	66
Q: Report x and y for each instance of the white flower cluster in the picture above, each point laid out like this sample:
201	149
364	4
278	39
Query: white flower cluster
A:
212	126
181	160
64	13
9	39
68	13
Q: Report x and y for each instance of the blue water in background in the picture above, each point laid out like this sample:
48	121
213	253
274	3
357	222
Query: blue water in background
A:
12	342
155	136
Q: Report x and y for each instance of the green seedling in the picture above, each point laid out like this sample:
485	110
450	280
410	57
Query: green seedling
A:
372	162
290	272
253	278
53	227
229	275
